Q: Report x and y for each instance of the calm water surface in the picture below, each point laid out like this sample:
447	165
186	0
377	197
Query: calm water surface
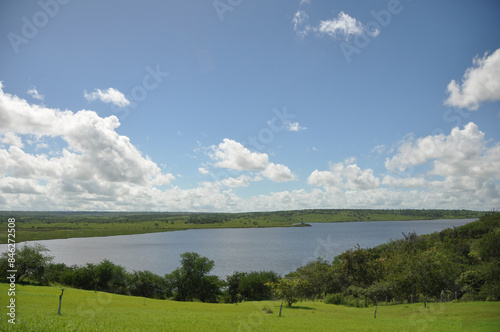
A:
244	249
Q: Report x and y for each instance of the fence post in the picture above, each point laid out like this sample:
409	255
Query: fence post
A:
60	301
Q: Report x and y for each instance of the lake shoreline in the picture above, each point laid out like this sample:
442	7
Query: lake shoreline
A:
38	226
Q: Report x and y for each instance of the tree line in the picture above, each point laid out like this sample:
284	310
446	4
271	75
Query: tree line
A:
461	263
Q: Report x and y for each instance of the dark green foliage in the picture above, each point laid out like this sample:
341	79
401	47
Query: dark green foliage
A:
361	266
319	277
250	286
489	246
110	277
463	261
233	287
147	284
205	218
31	263
337	298
191	281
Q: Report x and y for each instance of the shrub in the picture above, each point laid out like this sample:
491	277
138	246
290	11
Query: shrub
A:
337	298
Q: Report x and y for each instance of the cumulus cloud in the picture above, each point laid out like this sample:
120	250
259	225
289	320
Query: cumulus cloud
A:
458	170
342	27
278	173
480	83
234	156
344	176
92	167
96	163
461	168
107	96
458	147
240	181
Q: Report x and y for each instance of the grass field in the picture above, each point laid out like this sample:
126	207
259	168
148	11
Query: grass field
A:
36	226
36	310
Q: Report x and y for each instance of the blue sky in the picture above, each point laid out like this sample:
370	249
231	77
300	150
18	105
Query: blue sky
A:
249	105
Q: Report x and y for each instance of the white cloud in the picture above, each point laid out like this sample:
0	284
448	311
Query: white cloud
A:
459	146
10	138
458	170
97	162
480	83
278	173
461	168
410	182
233	155
33	92
298	24
344	176
294	126
108	96
304	2
240	181
326	179
92	167
342	27
203	170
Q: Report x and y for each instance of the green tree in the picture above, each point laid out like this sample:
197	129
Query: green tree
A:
252	286
110	277
318	275
82	277
489	247
289	290
233	287
147	284
191	281
31	262
361	266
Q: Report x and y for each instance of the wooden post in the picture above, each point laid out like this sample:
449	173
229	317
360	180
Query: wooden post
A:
60	301
281	308
375	314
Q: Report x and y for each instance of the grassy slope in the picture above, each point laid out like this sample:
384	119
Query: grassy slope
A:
32	226
91	311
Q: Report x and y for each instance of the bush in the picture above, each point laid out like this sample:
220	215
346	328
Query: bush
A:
252	286
337	298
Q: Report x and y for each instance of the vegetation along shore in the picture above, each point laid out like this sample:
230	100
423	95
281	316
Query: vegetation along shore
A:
32	226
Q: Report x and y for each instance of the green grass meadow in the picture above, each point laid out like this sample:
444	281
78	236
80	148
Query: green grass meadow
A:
36	310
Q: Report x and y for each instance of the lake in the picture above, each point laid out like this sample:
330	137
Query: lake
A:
238	249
